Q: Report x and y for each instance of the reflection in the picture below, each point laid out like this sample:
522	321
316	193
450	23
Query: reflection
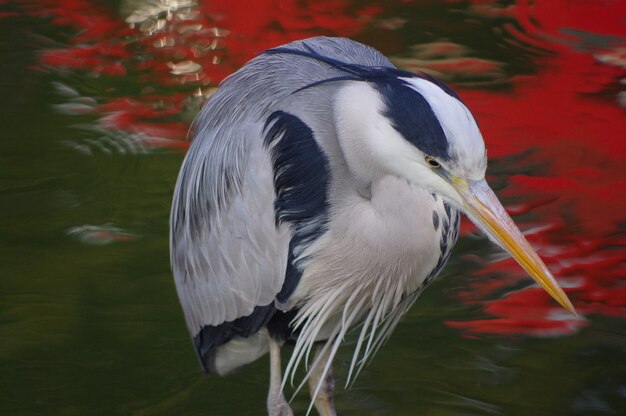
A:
452	63
184	68
545	82
566	112
615	57
76	104
140	11
392	23
99	235
592	401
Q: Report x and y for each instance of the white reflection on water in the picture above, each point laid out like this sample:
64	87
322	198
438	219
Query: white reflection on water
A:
99	235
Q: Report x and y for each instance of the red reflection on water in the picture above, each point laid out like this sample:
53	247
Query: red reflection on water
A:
96	59
264	24
567	114
575	127
195	46
100	234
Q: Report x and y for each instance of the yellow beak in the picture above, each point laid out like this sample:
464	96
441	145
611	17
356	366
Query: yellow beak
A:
482	206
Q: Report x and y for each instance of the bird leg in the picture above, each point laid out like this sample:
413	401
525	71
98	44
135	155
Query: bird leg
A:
276	403
324	402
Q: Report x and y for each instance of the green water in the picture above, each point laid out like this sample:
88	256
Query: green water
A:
93	326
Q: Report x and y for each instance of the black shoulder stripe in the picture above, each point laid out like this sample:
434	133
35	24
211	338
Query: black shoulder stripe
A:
301	180
212	336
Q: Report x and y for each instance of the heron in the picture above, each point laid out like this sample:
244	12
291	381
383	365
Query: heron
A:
322	191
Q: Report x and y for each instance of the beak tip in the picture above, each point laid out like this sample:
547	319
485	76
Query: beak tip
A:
483	207
572	310
568	305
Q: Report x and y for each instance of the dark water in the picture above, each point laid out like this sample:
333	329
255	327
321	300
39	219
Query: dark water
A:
97	98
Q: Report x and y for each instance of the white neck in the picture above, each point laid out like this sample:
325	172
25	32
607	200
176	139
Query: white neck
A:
369	143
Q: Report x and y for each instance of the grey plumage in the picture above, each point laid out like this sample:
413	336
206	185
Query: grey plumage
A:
226	152
310	201
228	253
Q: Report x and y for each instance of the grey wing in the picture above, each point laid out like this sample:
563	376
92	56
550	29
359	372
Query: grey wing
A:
227	254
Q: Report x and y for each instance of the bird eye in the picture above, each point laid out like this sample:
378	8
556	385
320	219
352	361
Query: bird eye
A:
432	162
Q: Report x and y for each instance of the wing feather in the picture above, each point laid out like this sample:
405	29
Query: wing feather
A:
236	220
228	255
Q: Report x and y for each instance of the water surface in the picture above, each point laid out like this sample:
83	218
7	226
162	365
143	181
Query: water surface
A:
98	97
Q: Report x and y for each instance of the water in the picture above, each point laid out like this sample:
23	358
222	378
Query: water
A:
98	97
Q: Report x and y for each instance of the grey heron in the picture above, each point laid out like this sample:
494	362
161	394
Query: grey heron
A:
322	192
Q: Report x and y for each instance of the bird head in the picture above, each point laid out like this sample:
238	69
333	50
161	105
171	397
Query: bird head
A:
416	128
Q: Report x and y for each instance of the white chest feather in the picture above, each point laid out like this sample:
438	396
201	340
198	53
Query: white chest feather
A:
390	242
370	266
